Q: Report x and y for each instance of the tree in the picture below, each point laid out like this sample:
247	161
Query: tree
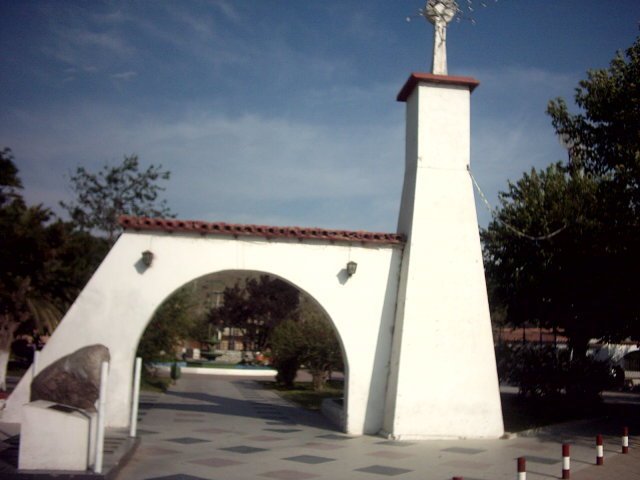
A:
562	250
551	281
256	308
121	190
169	327
44	264
310	340
604	138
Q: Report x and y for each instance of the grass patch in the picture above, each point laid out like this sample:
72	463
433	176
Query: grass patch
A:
211	365
303	394
154	384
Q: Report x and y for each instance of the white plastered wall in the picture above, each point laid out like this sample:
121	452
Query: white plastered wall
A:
443	381
120	299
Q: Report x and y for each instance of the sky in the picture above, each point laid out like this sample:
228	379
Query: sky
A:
283	112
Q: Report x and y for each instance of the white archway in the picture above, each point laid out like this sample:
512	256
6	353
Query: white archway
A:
417	296
120	299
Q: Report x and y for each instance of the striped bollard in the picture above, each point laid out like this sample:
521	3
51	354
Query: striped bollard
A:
599	451
625	440
522	468
566	461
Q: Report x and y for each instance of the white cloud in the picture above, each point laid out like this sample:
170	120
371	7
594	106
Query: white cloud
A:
257	168
124	75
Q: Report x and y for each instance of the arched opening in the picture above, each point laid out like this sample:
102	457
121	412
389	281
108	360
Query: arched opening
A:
253	320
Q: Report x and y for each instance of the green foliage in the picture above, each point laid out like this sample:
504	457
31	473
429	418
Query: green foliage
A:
170	325
309	340
153	383
557	282
256	308
272	315
582	278
44	262
9	180
547	372
305	395
121	190
287	343
604	137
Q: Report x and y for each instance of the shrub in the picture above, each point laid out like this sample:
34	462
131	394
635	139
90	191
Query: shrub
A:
548	372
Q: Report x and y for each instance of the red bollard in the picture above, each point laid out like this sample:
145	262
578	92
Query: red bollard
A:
599	451
625	440
522	468
566	461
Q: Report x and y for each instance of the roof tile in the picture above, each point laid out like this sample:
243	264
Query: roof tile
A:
219	228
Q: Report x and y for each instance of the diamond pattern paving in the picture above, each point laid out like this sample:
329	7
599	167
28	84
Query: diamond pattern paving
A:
151	450
264	438
187	440
466	451
216	462
244	449
179	476
288	475
232	430
333	436
389	454
283	430
310	459
383	470
543	460
212	430
468	464
395	443
323	446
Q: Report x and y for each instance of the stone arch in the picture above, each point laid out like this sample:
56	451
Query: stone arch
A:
118	301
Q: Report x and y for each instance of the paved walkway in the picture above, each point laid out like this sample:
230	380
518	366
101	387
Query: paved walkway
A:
230	428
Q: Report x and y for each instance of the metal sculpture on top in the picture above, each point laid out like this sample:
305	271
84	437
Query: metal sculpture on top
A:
440	13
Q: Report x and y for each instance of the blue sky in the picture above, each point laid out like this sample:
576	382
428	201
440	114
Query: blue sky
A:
282	112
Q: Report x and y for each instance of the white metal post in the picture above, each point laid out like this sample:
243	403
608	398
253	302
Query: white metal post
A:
136	397
34	363
102	403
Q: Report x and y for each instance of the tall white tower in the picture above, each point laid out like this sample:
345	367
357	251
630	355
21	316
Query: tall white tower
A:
443	381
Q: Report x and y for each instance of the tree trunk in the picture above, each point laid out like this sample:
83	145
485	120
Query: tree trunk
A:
4	362
319	379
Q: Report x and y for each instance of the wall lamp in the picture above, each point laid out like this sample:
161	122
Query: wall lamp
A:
351	268
147	257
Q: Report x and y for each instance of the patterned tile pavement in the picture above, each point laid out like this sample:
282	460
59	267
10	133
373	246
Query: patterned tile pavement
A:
232	428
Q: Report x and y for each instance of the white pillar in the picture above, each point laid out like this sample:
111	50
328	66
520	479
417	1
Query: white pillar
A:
136	397
102	405
443	381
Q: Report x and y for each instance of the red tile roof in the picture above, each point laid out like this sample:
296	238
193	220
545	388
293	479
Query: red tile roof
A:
533	335
265	231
